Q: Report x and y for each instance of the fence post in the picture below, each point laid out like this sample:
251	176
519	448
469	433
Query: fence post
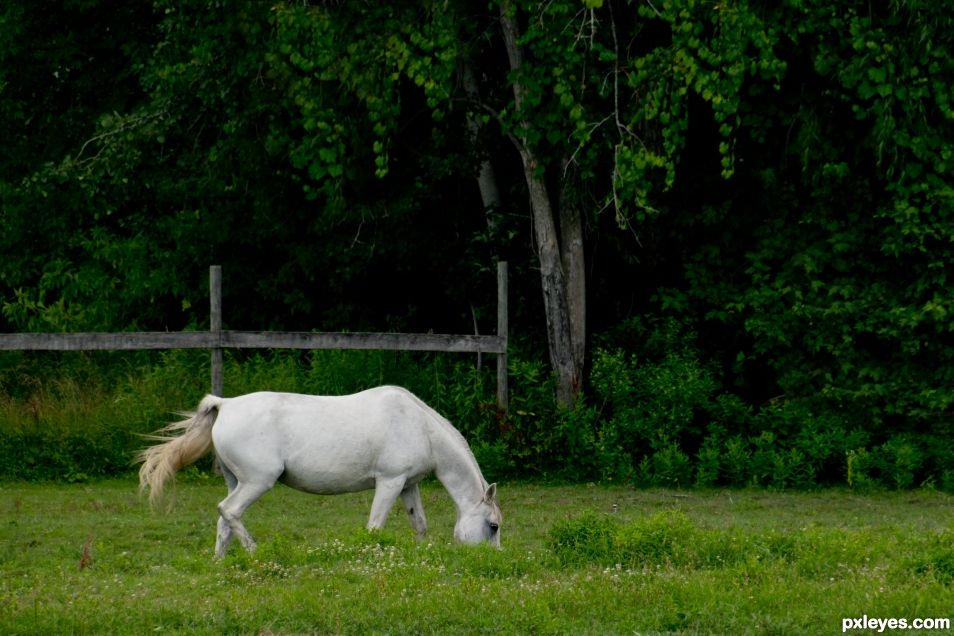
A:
503	397
215	326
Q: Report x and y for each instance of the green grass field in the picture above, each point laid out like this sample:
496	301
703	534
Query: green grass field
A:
93	559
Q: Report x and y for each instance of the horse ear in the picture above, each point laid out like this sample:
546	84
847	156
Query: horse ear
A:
491	494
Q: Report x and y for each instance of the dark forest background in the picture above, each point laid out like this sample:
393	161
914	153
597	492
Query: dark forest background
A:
751	202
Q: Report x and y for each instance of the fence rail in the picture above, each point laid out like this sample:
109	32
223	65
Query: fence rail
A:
217	339
228	339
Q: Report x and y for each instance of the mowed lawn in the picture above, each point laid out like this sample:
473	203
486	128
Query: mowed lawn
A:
93	559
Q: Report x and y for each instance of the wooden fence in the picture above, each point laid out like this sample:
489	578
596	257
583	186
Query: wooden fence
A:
217	339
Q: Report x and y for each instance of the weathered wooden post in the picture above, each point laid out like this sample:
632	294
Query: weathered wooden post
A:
215	326
503	398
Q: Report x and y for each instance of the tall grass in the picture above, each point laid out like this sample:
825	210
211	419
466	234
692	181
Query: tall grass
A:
76	416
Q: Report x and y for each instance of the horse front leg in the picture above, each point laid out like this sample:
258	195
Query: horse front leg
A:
411	496
386	491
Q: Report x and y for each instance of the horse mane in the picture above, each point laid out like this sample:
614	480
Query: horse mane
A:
448	428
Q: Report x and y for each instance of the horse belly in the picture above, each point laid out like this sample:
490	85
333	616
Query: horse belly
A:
331	466
329	473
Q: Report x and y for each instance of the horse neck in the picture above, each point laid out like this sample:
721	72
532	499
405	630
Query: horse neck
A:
456	467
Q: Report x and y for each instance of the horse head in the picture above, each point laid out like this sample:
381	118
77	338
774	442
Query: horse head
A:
481	523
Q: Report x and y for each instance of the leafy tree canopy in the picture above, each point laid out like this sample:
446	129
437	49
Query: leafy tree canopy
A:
773	176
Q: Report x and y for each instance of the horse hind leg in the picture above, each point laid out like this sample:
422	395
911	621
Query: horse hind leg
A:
231	510
223	535
411	496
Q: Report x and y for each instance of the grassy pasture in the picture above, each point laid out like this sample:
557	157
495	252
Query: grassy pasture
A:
92	559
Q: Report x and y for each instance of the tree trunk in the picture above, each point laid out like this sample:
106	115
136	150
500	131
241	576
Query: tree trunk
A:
557	306
553	281
487	178
571	239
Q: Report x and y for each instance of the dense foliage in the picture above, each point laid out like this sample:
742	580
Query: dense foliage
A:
763	189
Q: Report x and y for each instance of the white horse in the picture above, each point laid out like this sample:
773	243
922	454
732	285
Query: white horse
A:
383	438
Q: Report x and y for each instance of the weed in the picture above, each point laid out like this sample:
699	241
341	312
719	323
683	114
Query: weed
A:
86	558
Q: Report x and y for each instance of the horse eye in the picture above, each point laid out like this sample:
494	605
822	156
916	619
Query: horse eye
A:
494	527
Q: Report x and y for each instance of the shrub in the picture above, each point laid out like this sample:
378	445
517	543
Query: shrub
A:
661	417
657	416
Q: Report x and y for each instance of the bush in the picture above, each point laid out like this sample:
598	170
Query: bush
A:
897	463
661	417
657	416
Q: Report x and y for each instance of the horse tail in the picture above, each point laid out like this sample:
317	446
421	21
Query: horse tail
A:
161	462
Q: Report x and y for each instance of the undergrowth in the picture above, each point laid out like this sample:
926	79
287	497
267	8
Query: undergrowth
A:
655	417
